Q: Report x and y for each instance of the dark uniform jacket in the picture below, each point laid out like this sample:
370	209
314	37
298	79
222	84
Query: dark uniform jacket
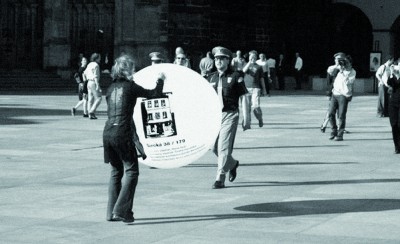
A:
232	88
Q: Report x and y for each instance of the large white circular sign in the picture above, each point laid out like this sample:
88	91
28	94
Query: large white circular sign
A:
181	126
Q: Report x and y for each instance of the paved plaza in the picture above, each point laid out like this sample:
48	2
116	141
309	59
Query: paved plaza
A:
294	185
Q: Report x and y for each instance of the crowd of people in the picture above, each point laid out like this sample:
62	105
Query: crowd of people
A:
239	81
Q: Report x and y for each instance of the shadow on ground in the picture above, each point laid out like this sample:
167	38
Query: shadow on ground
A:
287	209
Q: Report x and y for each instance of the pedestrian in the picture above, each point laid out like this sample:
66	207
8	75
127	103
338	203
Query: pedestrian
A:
238	62
342	94
181	58
256	87
92	74
382	74
206	65
298	71
82	89
229	86
263	62
271	62
280	73
119	147
338	58
156	58
394	106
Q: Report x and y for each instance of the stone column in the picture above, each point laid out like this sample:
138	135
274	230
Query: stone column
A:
56	47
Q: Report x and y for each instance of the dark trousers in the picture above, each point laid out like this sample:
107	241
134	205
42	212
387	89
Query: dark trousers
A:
383	101
394	117
339	104
266	82
281	80
121	194
298	77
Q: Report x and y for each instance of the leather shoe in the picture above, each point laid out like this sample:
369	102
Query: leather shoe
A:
339	138
233	173
332	137
397	151
218	185
92	116
129	219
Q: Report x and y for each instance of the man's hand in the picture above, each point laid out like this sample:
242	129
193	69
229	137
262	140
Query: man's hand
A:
161	76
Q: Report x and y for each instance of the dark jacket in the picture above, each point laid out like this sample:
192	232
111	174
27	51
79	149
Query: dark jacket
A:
119	129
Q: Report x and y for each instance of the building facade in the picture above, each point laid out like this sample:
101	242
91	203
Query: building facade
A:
50	34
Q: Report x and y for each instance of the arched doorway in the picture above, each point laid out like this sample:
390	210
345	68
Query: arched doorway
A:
350	31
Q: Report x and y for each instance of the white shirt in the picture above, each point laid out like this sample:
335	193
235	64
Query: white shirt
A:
263	64
271	63
92	71
344	82
299	64
382	74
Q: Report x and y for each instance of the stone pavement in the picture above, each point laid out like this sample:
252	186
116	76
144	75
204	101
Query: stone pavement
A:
294	185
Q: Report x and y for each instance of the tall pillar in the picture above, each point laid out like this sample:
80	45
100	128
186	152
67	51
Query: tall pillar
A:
56	47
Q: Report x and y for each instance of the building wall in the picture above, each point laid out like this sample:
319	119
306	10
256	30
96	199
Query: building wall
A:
382	15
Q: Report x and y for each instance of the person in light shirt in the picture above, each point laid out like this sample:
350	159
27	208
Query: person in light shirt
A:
263	62
298	66
382	74
272	72
342	93
92	75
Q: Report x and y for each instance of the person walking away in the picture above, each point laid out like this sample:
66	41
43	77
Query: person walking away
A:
82	89
229	86
382	74
92	74
342	93
206	65
118	137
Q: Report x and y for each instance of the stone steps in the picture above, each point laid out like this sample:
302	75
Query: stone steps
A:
38	81
23	80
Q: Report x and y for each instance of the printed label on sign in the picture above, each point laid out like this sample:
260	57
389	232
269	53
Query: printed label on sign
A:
180	126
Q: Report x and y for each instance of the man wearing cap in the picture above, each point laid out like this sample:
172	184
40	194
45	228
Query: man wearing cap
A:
155	58
229	86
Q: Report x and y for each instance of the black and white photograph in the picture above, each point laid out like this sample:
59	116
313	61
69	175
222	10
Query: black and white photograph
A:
199	121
